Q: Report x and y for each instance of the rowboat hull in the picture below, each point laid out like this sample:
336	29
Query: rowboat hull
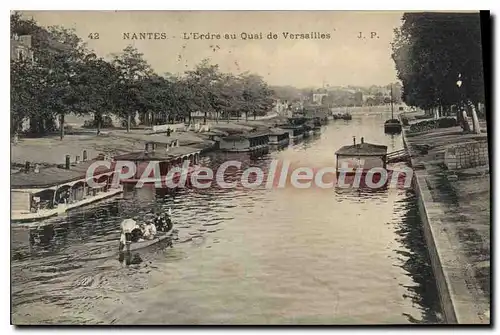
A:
133	246
146	243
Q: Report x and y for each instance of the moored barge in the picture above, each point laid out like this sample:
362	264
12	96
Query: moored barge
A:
245	142
42	193
167	157
367	160
278	136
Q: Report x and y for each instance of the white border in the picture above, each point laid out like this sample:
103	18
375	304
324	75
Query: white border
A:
192	5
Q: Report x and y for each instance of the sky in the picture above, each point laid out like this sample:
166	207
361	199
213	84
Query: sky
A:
343	59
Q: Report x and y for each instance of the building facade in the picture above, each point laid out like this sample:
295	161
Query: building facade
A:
20	48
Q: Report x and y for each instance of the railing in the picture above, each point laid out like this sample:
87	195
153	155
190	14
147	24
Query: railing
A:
397	156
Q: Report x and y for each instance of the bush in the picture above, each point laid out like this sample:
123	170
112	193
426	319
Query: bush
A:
433	124
447	122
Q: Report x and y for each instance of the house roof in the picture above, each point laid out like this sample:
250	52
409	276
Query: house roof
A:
362	149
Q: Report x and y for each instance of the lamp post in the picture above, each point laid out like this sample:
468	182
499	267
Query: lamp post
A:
460	115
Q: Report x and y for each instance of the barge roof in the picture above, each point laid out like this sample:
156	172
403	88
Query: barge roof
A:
159	154
48	177
362	149
277	131
246	135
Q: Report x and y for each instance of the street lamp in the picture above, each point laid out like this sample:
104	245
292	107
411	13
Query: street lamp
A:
459	81
460	116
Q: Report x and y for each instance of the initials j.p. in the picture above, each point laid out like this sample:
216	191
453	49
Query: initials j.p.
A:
373	34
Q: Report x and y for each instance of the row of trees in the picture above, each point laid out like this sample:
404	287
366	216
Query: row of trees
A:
66	77
434	51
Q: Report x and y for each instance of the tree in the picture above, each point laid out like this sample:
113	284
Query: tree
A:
202	82
101	80
132	69
25	82
257	97
430	50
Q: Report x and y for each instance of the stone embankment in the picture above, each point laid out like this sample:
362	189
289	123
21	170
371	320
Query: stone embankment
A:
452	181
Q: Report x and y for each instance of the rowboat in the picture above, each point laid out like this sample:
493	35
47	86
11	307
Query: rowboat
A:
127	226
133	246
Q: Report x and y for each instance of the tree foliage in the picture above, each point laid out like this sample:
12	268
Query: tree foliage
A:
430	50
66	77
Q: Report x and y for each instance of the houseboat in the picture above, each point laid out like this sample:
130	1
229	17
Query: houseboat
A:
168	156
245	142
316	124
296	132
362	157
41	193
278	136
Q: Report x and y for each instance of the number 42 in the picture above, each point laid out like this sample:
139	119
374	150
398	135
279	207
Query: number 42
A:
94	36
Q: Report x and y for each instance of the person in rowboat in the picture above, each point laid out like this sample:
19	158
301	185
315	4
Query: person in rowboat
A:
159	222
149	231
168	221
129	230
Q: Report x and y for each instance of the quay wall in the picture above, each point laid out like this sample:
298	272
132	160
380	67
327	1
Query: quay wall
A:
467	155
436	247
457	304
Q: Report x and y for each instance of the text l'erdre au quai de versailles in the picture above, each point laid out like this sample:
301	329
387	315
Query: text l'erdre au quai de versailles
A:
314	35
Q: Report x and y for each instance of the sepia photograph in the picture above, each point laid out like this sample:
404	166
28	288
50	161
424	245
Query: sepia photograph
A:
250	167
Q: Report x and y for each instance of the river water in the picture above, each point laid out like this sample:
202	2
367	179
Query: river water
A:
262	256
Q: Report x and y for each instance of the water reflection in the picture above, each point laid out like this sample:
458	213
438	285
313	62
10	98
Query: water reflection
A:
416	261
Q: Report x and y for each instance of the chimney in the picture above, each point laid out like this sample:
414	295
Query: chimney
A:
84	155
27	166
77	159
362	140
68	162
354	140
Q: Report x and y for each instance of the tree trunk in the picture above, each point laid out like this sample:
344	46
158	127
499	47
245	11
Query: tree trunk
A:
475	120
479	111
98	121
61	126
254	116
246	116
465	122
205	118
128	121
